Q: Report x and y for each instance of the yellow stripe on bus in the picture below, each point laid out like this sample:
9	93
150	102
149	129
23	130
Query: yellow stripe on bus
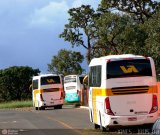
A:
153	89
108	92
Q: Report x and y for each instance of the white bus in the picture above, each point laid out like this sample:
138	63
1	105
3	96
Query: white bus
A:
122	91
73	85
47	91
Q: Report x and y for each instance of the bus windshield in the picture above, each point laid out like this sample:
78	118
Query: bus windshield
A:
129	68
70	79
50	80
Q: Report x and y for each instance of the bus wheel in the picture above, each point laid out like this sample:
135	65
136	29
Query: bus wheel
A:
56	107
36	108
96	126
104	129
60	107
42	108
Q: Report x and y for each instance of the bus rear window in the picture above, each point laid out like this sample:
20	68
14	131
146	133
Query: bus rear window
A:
70	79
129	68
50	80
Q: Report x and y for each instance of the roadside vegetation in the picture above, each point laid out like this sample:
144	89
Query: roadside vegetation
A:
16	104
25	104
66	62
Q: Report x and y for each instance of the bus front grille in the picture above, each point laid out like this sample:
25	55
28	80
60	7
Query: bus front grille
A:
130	90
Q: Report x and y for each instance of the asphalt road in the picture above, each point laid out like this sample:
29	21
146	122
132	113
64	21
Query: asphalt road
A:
66	121
51	121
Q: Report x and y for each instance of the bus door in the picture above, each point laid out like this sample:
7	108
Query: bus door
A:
94	90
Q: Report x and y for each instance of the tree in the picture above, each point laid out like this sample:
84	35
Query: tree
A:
15	82
78	29
152	43
128	29
140	10
106	32
66	62
117	34
111	34
143	31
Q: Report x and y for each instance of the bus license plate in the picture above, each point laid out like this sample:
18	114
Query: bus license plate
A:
132	119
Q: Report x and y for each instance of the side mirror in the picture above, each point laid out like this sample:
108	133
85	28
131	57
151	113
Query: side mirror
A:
30	87
85	80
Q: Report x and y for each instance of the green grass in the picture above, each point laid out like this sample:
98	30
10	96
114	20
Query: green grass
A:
16	104
22	104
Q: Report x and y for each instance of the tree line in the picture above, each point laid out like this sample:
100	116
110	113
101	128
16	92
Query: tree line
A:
15	82
115	27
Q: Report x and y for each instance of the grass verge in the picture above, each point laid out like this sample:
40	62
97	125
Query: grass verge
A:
16	104
22	104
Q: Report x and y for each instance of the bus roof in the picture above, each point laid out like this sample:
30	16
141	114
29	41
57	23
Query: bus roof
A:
113	57
45	75
75	75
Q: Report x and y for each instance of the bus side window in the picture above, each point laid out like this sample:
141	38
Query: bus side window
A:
95	76
35	84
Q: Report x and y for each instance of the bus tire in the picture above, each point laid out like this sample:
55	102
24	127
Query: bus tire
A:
42	108
96	126
56	107
104	129
60	107
36	108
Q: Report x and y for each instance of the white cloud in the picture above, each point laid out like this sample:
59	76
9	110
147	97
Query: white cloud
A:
52	14
55	13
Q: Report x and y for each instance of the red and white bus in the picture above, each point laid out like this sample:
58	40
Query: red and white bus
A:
47	91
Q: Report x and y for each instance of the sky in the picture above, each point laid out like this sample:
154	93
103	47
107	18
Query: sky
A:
29	31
